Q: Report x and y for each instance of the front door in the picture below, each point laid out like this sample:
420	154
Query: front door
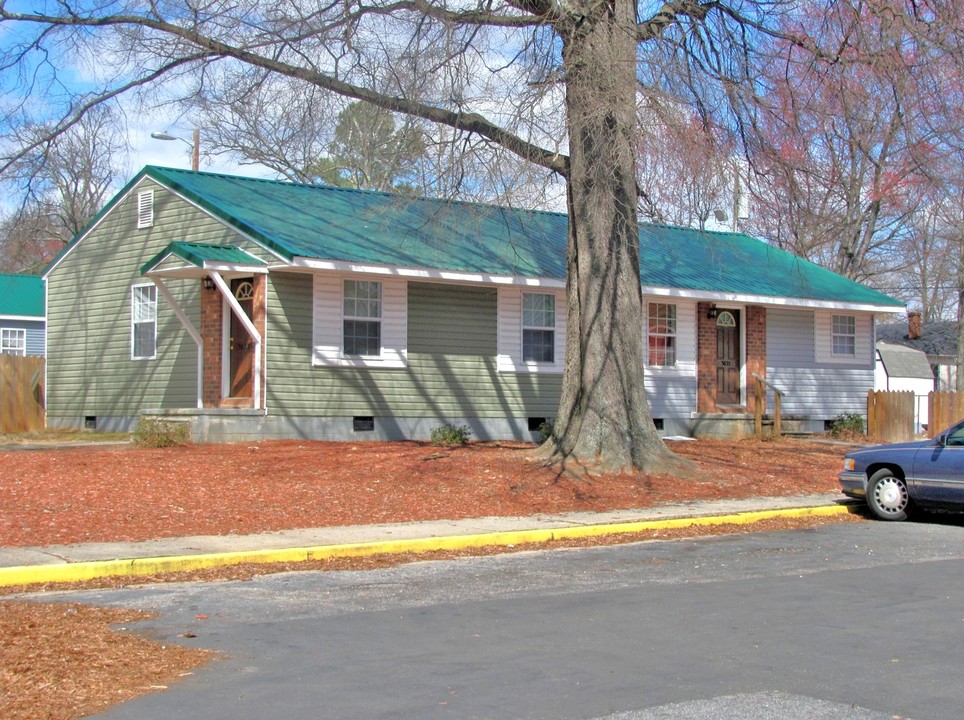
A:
240	344
728	358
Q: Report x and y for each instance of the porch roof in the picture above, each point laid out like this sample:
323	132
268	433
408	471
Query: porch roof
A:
184	259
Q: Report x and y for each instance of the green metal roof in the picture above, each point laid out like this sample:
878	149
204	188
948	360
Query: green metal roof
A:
355	226
22	295
198	254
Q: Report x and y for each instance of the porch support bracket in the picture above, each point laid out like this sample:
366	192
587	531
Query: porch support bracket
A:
191	330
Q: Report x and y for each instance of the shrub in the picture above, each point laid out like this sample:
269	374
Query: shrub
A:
449	435
847	425
545	431
154	433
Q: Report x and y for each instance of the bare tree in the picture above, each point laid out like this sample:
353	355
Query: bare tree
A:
847	139
64	179
494	68
685	164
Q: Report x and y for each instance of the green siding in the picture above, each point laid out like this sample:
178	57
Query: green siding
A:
89	369
451	370
447	320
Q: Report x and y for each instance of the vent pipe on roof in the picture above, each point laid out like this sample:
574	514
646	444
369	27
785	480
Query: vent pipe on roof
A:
913	325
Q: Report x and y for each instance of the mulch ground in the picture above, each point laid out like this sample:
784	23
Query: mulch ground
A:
66	661
127	493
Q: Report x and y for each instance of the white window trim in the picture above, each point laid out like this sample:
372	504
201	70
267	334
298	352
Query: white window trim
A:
823	339
20	349
145	209
847	356
509	358
542	328
675	335
328	338
365	318
133	290
685	366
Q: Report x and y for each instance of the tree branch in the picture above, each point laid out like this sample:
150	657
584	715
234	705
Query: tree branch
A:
211	47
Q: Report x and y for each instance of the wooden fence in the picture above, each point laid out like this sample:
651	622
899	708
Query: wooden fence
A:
943	409
890	415
22	398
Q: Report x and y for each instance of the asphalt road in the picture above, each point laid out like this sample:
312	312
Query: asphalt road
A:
862	622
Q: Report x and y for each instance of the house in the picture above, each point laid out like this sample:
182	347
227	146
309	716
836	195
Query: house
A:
902	369
937	340
265	309
22	317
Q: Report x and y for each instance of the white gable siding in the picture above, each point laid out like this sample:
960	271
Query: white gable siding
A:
671	391
814	385
328	327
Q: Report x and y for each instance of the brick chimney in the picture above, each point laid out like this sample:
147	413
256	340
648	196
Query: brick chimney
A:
913	325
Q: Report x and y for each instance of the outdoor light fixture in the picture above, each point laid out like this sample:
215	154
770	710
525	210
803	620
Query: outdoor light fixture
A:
195	146
711	315
208	283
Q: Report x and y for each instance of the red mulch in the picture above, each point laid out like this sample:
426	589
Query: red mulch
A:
123	493
65	661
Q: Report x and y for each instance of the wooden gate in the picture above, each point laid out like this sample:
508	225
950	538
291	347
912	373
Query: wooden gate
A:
944	409
21	394
890	415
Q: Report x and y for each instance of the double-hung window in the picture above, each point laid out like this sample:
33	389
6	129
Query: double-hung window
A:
13	341
362	317
143	322
662	335
538	327
843	336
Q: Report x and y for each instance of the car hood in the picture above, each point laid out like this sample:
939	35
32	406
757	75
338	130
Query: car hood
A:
892	446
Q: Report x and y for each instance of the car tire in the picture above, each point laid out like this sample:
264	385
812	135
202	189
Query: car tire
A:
887	496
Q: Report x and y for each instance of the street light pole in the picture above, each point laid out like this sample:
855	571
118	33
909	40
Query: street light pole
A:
195	146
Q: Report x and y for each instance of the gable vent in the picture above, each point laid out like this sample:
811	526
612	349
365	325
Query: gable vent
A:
145	209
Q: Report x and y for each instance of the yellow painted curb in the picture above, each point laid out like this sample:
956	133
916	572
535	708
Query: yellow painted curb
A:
78	572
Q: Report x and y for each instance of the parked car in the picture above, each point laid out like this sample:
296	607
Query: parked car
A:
896	478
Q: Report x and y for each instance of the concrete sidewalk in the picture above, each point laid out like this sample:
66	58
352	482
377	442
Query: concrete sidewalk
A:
85	561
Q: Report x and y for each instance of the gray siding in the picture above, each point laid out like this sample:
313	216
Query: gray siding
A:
89	367
820	390
671	391
451	371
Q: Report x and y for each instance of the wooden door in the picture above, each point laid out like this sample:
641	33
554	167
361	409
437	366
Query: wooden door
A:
240	344
728	358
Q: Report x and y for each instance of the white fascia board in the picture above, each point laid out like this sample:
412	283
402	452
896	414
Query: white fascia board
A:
747	299
26	318
229	268
424	273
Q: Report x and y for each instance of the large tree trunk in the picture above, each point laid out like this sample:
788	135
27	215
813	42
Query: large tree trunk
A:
604	421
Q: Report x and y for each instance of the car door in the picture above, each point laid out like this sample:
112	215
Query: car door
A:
938	476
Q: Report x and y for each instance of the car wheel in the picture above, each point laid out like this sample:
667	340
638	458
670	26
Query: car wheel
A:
887	496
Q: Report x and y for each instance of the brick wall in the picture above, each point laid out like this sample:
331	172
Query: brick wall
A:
705	360
755	318
212	332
